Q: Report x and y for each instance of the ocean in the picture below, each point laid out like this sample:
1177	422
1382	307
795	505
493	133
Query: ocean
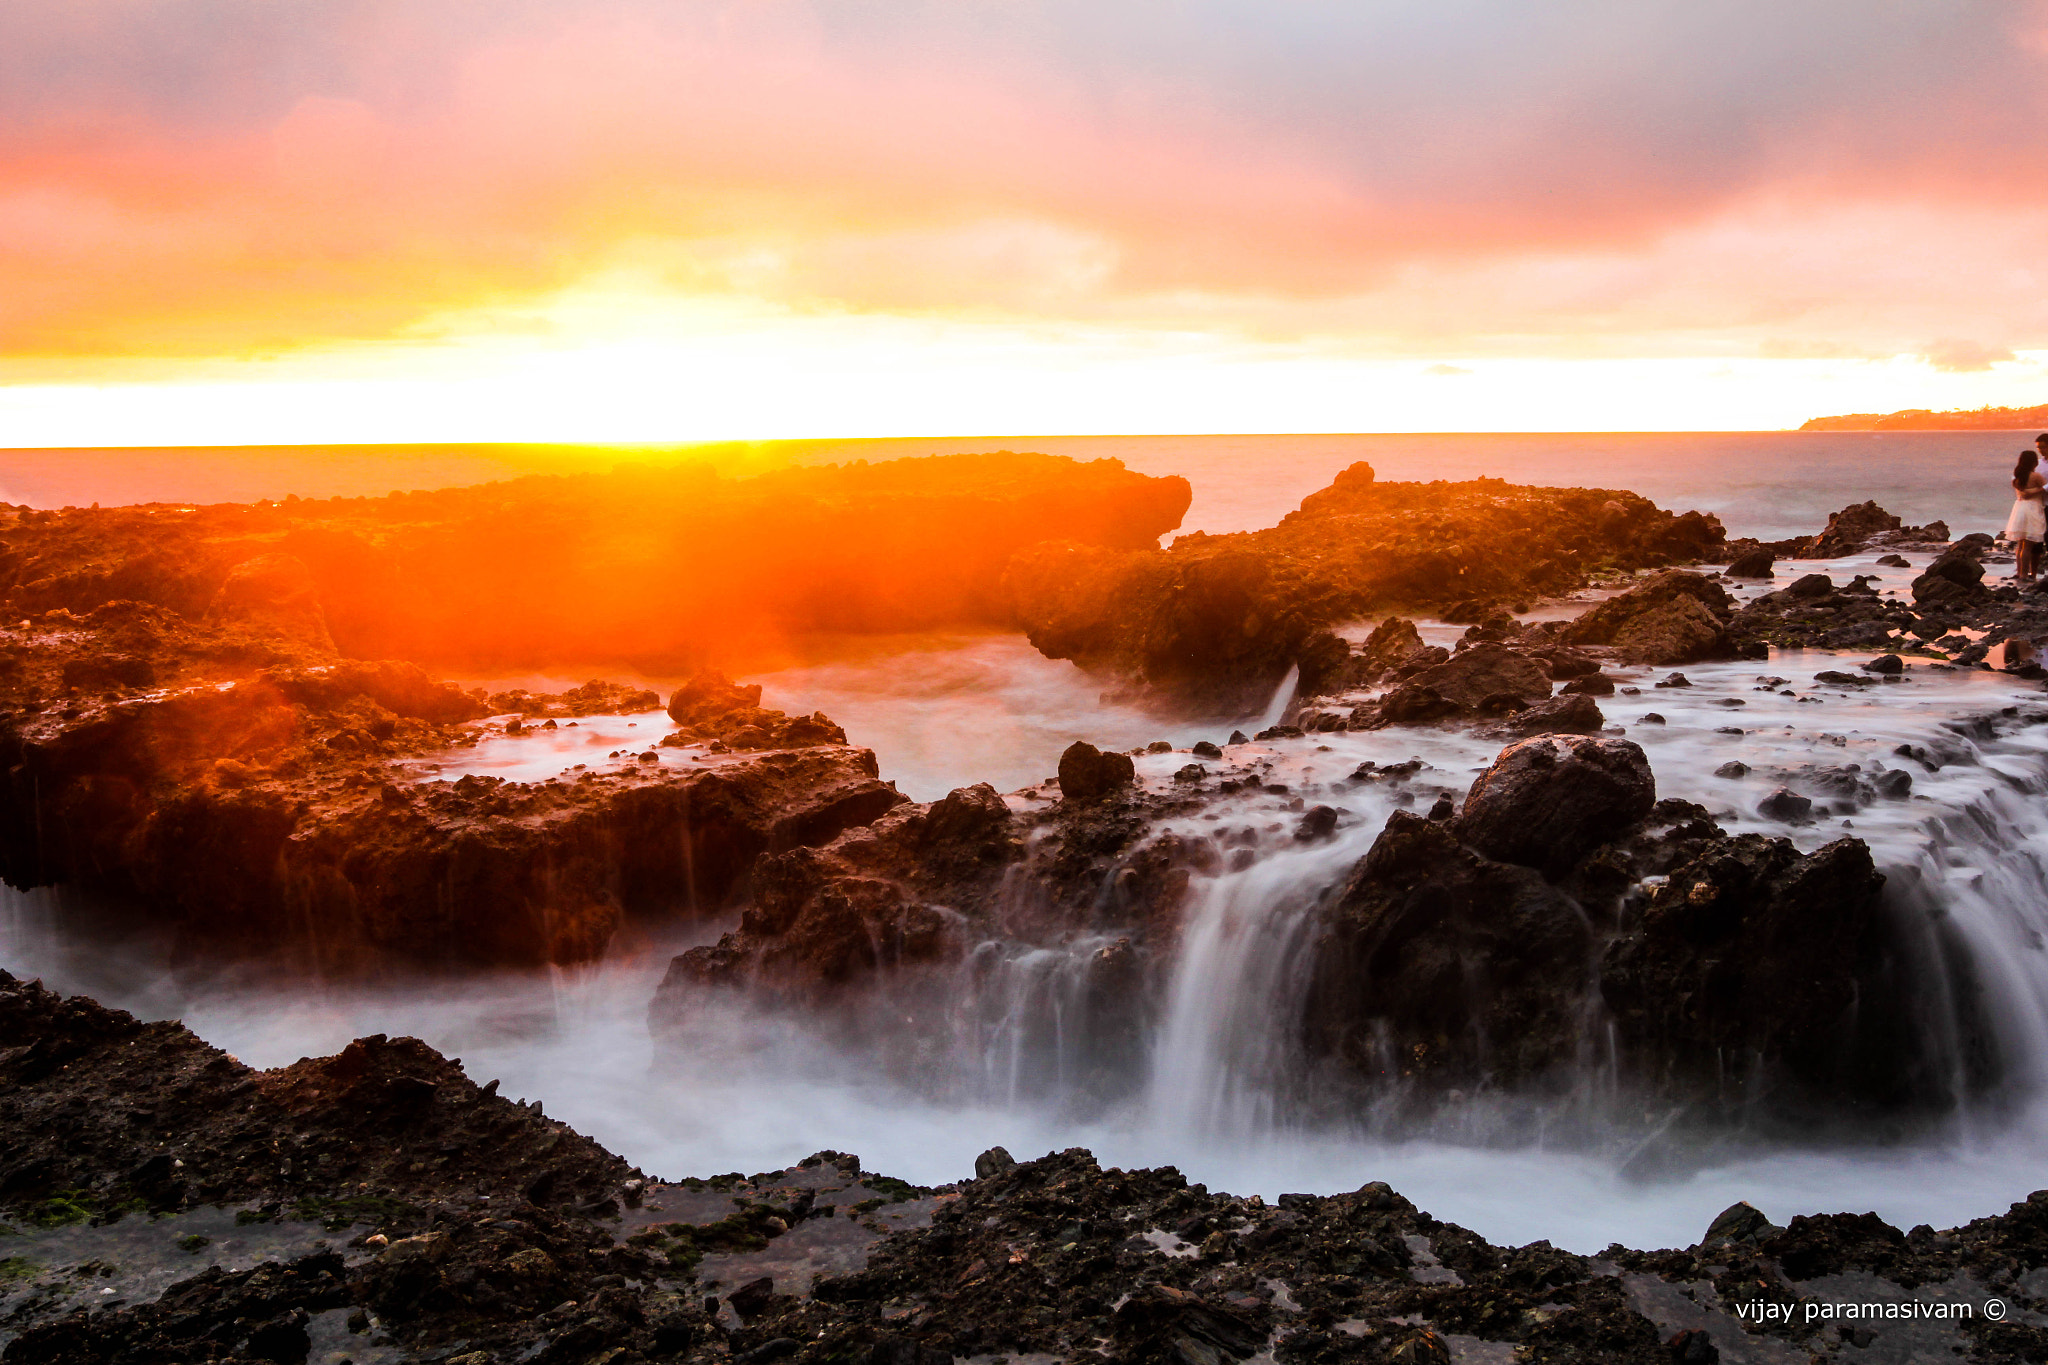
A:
1770	485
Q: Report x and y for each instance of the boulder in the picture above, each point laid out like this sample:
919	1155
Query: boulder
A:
1849	530
1785	804
1394	982
1392	642
1808	586
1678	631
1569	713
1089	774
1954	581
711	706
1547	801
710	695
1566	664
1773	955
1741	1224
1672	618
1752	564
1467	679
1414	704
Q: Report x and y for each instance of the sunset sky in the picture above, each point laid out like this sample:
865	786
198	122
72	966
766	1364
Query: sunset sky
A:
355	220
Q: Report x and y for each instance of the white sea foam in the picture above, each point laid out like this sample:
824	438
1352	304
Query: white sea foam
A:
749	1090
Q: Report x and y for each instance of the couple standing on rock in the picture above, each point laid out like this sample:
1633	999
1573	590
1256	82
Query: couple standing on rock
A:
2028	524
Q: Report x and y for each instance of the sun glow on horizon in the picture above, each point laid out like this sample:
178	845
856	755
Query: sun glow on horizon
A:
633	220
594	372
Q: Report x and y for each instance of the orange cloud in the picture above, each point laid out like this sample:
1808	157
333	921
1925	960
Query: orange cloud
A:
224	177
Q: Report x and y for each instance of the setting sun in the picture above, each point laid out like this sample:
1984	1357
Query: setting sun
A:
630	222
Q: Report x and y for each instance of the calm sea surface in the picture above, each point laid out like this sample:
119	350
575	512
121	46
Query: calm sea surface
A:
1765	484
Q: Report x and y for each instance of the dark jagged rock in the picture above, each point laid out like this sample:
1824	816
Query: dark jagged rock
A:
1089	774
1752	564
1850	529
1672	618
1774	956
1814	611
1393	642
365	1116
864	901
1215	623
420	1218
896	906
1547	801
1472	676
1567	664
531	572
711	706
1955	581
1573	714
1785	804
1747	978
1392	995
254	798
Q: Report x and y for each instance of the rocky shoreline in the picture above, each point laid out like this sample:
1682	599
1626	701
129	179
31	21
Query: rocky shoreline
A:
164	1203
188	736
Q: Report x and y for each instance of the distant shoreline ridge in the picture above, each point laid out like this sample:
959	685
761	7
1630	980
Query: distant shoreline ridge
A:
1922	419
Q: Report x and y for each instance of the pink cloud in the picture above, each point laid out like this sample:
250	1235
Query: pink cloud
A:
224	174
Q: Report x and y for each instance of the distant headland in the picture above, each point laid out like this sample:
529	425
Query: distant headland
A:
1920	419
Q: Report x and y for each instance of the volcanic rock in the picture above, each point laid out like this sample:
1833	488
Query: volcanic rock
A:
1784	804
1672	618
1573	713
421	1217
1849	530
1411	704
249	810
1779	956
1394	962
1392	643
711	706
1215	622
1089	774
275	594
527	573
1470	677
1752	564
1547	801
1954	581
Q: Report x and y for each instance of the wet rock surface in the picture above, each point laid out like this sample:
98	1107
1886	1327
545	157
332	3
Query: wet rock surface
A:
1672	618
1740	977
390	1210
1214	623
1547	802
918	906
244	792
663	570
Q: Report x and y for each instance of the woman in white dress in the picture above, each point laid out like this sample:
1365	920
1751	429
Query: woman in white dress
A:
2028	523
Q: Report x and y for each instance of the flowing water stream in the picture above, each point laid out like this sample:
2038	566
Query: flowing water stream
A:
1213	1083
